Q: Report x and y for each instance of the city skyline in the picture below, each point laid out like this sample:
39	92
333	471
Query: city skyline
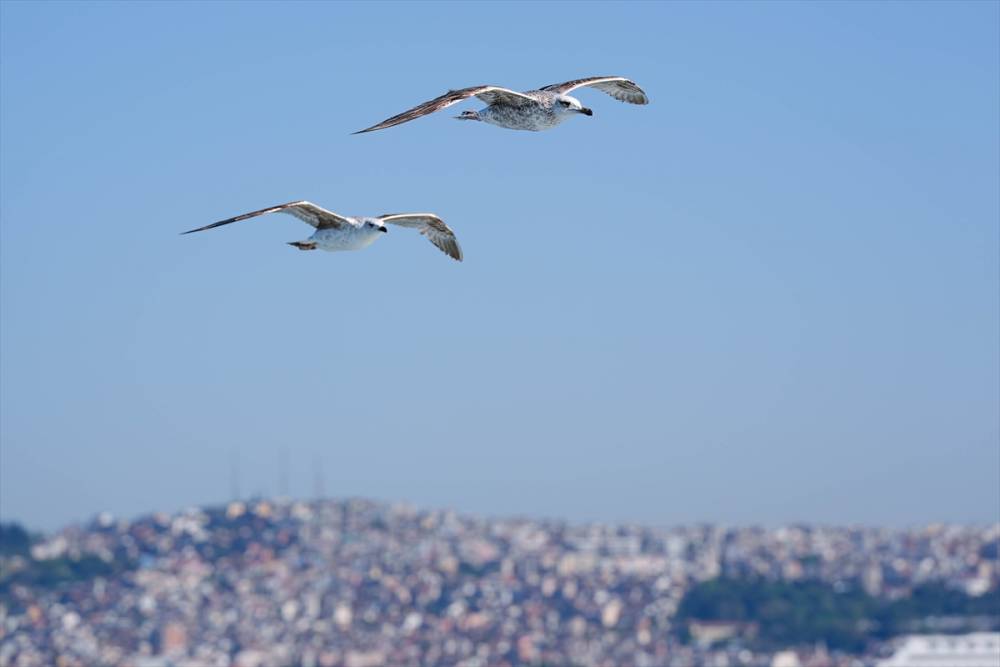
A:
353	582
797	322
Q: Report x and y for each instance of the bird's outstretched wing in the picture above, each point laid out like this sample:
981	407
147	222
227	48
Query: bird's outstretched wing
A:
430	226
617	87
305	211
488	94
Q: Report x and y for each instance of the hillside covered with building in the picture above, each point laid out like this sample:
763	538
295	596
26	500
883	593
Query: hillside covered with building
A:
356	583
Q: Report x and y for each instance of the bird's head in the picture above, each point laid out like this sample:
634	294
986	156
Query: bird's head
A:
375	224
570	105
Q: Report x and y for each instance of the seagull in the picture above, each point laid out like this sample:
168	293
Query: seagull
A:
534	110
340	232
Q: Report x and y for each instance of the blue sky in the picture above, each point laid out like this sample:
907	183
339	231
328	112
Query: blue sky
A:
771	295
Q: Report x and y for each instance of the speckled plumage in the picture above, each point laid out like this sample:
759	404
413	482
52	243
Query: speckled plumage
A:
533	110
335	232
540	115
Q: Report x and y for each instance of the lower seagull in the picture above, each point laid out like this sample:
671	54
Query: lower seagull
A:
340	232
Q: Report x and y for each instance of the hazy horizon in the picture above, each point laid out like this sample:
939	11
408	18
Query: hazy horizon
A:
772	295
249	501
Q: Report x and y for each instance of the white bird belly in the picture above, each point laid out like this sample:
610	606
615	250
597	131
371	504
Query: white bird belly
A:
353	238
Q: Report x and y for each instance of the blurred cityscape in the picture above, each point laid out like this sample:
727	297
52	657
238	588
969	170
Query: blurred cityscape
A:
356	583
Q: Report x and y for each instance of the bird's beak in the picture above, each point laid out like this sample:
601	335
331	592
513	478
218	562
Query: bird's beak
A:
383	229
587	112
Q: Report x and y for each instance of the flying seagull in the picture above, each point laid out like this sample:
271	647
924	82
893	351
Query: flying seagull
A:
533	110
340	232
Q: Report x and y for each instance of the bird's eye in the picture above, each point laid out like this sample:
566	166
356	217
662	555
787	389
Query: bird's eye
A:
564	103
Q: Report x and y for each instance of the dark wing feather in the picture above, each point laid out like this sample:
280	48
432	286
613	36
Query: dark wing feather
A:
488	94
617	87
495	95
430	226
305	211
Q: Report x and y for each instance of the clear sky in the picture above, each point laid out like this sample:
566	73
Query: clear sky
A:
771	295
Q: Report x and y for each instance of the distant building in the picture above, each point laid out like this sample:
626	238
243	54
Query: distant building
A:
173	639
706	633
786	659
871	581
979	649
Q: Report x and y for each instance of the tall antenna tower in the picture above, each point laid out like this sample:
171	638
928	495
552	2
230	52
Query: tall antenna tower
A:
319	481
283	463
234	475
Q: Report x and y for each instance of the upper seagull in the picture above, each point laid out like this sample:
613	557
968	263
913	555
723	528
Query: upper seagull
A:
533	110
339	232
